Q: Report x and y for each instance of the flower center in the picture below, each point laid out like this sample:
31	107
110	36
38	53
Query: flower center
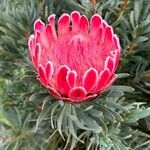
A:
78	52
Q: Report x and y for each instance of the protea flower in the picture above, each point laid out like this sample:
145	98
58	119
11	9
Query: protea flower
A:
77	62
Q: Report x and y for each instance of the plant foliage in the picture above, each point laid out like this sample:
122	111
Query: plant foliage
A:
31	119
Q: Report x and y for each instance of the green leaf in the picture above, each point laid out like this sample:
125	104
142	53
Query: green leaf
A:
121	88
141	39
5	133
136	115
80	124
101	122
92	139
117	116
73	143
89	108
122	75
132	19
96	113
3	118
52	114
144	24
42	116
117	106
37	96
107	113
115	94
3	29
60	120
45	101
137	10
73	130
91	124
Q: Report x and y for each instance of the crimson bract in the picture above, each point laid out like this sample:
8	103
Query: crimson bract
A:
75	60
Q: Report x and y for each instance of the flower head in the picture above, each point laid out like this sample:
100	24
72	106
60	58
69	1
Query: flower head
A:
77	62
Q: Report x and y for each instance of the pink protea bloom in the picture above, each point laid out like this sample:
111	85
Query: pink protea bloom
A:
77	62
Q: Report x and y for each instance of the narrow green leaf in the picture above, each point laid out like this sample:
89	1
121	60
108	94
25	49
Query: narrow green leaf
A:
16	145
107	113
91	124
121	88
52	114
3	29
78	123
132	19
3	118
115	94
122	75
72	130
135	116
60	120
89	108
141	39
144	24
137	11
45	101
116	115
117	106
37	96
42	115
101	122
5	133
92	139
73	143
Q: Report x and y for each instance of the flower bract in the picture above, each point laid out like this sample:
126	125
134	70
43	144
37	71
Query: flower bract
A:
75	59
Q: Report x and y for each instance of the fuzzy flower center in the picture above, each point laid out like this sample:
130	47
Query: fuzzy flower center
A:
78	52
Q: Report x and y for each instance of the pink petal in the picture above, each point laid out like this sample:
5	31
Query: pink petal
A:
54	92
42	75
62	83
32	48
104	25
110	63
30	42
49	70
108	38
89	79
75	18
63	24
90	97
112	80
102	79
116	42
95	21
51	19
37	55
37	37
39	25
71	78
41	37
117	57
84	24
49	34
95	24
113	53
77	94
31	45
